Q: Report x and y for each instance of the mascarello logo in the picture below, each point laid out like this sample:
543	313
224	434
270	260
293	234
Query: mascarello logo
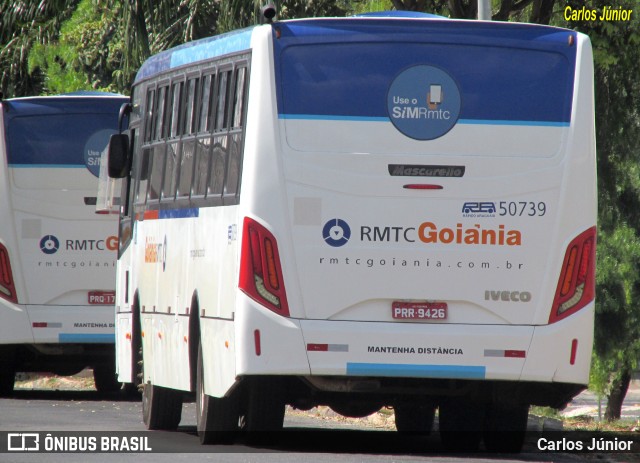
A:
336	233
423	102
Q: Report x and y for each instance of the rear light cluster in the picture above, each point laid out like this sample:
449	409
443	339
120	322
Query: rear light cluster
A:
7	285
576	287
260	268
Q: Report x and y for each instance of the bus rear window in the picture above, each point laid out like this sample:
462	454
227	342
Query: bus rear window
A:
328	85
64	140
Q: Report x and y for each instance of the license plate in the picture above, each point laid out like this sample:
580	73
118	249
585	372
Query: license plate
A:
419	310
102	297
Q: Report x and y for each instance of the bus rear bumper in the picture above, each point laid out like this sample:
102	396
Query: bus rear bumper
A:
549	353
71	324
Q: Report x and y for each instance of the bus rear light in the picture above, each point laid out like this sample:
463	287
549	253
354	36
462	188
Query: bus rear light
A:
260	268
7	285
576	286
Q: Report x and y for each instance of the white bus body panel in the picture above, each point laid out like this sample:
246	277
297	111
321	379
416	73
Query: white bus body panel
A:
301	175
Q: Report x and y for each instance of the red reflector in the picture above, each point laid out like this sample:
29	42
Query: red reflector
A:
318	347
574	352
39	324
419	186
256	341
515	353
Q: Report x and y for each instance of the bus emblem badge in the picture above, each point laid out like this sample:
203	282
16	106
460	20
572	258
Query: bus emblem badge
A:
336	233
423	102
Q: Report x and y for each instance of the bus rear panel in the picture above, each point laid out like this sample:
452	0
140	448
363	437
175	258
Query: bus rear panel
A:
361	212
58	256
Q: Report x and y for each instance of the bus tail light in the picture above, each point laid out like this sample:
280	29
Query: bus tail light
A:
260	268
576	286
7	285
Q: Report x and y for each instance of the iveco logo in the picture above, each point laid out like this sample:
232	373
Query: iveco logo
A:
507	296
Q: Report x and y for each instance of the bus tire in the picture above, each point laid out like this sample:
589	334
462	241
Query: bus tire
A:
161	407
461	423
264	413
106	379
505	427
217	418
414	419
7	371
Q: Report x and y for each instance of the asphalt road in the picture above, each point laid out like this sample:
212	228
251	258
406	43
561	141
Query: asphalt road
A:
305	439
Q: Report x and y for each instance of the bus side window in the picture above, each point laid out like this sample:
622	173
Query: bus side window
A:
238	100
143	177
203	140
158	115
157	171
174	111
188	142
235	151
221	117
148	124
218	168
203	154
186	167
207	94
190	114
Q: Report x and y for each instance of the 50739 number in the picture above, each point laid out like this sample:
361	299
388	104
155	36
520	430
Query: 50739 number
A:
522	208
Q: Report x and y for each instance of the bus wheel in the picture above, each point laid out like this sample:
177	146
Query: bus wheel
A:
161	407
461	423
105	378
264	412
414	418
505	428
217	418
7	371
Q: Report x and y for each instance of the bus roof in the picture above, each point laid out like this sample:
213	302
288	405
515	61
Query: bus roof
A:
193	52
37	105
342	28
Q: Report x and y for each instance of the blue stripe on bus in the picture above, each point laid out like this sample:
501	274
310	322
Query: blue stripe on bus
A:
87	338
416	371
321	117
178	213
199	50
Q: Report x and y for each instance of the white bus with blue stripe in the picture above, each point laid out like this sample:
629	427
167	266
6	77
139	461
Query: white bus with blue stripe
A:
57	257
360	212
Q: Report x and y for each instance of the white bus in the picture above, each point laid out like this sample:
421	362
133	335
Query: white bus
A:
360	212
57	257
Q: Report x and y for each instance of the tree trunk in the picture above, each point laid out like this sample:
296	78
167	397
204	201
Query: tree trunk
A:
619	387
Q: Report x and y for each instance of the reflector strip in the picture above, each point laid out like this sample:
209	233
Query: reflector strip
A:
256	340
418	186
505	353
46	325
574	352
416	371
327	347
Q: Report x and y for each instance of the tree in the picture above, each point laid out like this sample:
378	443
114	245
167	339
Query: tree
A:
23	25
617	334
86	55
